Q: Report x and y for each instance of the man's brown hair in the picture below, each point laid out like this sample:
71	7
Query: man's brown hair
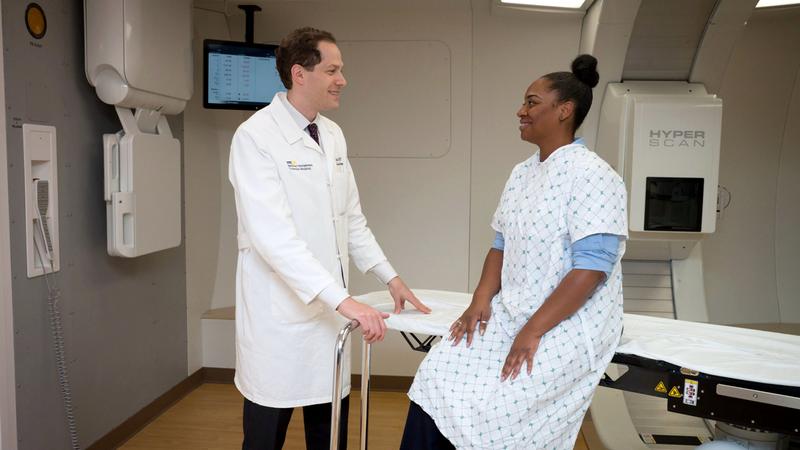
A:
300	47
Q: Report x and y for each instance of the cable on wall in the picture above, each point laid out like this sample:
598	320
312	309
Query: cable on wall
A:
56	329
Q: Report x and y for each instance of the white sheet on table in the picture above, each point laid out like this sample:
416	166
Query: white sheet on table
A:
445	306
725	351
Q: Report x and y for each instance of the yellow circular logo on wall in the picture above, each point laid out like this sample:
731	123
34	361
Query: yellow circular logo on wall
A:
35	20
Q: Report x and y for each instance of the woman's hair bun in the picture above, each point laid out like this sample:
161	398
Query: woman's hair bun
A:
585	69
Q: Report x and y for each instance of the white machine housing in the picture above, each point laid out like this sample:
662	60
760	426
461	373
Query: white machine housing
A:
663	137
142	189
139	53
139	56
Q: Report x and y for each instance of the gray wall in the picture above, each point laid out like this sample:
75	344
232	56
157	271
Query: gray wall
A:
124	320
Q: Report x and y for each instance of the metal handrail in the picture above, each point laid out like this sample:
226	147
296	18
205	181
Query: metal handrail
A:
366	350
336	398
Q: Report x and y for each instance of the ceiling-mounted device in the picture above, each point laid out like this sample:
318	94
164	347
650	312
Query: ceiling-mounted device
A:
249	21
240	75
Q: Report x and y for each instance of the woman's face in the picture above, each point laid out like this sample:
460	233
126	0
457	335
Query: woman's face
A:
539	114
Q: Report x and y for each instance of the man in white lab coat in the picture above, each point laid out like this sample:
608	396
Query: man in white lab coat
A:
300	220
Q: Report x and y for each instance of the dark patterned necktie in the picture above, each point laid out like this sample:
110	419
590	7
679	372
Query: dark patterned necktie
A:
313	130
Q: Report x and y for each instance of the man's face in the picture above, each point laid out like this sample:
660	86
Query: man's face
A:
323	85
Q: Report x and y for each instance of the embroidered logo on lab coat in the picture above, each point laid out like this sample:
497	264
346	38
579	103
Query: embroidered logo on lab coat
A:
339	161
294	165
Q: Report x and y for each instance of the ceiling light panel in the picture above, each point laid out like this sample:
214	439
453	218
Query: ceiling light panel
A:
768	3
573	4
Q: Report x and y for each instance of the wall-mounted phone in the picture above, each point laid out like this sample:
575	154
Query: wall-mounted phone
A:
41	199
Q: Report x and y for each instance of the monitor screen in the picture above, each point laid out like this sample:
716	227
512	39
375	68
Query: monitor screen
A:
673	204
239	75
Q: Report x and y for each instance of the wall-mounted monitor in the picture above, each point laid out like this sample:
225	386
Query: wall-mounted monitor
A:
239	75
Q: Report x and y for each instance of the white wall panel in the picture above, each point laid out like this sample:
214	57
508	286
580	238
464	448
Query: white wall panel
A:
210	213
652	293
740	258
647	288
645	268
399	98
656	281
787	214
510	52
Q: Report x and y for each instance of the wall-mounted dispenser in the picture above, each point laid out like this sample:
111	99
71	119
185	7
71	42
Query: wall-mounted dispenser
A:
41	199
139	57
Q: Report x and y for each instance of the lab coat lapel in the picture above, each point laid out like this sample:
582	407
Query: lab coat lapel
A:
326	137
291	132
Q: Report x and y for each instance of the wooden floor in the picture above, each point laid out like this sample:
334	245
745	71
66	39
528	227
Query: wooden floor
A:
211	418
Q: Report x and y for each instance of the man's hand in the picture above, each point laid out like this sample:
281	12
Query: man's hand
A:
371	320
522	350
400	293
475	317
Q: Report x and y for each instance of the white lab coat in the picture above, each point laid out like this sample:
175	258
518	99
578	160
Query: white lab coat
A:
299	217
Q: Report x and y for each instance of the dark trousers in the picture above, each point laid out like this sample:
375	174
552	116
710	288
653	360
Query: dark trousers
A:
421	432
265	427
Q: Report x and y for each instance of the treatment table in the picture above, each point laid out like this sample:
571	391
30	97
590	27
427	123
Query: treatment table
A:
747	378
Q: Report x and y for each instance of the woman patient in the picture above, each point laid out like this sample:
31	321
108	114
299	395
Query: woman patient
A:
521	364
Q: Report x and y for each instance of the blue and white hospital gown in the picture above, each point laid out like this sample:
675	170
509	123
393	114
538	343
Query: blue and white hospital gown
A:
545	207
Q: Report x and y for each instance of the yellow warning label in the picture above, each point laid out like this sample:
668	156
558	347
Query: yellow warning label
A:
674	392
660	387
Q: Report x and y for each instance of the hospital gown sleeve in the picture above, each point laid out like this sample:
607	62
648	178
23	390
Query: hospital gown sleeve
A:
499	242
596	201
596	252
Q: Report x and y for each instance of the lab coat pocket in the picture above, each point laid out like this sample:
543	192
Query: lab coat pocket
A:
287	307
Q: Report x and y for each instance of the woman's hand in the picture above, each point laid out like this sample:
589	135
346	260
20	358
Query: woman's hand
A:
476	315
522	350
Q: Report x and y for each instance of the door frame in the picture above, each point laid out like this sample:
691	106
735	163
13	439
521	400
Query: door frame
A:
8	398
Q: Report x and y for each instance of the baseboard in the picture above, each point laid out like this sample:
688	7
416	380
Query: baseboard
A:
218	375
127	429
135	423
